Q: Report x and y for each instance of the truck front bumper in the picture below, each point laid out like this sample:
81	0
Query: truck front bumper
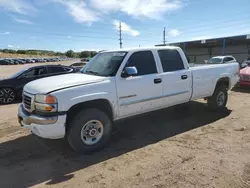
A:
45	127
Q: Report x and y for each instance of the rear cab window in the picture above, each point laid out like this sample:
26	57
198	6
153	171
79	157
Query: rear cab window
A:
170	60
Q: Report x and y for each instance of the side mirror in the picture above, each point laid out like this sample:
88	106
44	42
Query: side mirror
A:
129	71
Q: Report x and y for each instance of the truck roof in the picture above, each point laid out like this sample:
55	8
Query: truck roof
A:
141	48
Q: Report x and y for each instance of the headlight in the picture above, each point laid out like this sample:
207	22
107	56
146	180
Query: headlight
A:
45	103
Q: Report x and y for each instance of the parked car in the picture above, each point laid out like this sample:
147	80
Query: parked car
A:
78	65
20	61
10	61
115	85
4	62
245	76
85	59
12	87
245	63
221	59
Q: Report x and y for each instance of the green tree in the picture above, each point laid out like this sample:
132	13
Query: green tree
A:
84	54
21	51
70	53
93	53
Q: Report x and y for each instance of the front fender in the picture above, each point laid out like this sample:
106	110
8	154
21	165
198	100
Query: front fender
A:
70	97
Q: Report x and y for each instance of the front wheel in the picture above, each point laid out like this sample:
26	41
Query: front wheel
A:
7	95
219	99
89	130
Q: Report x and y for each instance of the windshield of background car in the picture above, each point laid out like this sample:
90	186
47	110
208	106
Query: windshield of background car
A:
18	73
214	60
104	64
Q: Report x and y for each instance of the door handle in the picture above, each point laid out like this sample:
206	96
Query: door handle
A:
184	77
157	80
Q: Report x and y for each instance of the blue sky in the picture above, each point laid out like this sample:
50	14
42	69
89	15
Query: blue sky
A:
93	24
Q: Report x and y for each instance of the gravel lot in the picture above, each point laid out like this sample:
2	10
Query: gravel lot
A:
182	147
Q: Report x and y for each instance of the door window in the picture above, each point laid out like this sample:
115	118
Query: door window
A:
170	60
143	61
54	70
36	72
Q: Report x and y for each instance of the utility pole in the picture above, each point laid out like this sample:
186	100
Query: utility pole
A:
164	36
120	33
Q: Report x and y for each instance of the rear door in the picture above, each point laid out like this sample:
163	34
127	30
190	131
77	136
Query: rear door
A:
143	92
176	79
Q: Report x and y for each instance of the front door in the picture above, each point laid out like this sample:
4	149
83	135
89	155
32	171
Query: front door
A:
30	75
143	92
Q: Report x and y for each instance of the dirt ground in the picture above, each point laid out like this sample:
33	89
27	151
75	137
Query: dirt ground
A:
186	146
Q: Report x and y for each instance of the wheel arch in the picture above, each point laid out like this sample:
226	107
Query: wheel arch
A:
101	104
223	81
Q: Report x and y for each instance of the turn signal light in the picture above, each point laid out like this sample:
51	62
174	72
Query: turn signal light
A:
50	99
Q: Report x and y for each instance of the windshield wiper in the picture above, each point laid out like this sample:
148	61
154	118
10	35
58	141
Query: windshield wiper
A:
92	72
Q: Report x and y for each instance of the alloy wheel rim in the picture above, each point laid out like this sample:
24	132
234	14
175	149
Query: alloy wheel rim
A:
6	96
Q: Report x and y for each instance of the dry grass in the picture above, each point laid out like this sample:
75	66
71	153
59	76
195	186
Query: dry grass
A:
11	55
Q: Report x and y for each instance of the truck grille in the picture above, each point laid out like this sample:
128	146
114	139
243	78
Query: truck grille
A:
27	102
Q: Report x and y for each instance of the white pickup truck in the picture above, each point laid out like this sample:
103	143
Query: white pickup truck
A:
118	84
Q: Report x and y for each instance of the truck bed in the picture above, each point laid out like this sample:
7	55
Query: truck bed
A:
206	76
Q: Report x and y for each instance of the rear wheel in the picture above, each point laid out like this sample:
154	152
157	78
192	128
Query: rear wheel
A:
89	130
219	99
7	95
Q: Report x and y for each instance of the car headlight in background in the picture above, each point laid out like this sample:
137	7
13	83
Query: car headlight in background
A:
45	103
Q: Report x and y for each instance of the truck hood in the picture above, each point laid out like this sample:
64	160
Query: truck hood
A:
49	84
245	71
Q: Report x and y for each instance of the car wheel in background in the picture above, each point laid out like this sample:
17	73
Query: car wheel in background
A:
7	95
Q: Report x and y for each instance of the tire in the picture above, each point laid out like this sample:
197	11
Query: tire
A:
83	122
219	99
7	95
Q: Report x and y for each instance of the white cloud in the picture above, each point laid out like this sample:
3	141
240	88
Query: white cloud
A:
6	33
32	38
174	32
125	28
89	11
79	11
153	9
10	46
23	21
17	6
201	38
17	46
69	37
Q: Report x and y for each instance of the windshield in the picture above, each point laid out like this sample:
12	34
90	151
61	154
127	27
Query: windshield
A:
18	73
214	60
104	64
